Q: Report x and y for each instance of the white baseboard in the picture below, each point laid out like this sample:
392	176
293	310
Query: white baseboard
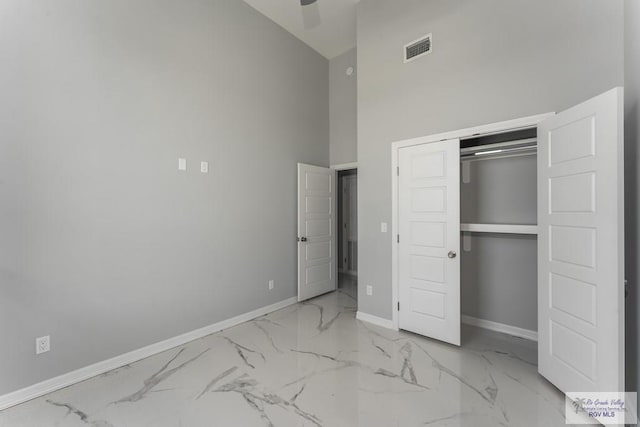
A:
65	380
375	320
501	327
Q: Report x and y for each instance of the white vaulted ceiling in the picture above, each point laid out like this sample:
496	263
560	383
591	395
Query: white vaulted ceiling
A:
336	33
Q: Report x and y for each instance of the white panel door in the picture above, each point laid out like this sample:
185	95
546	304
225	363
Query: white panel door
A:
429	233
580	246
316	231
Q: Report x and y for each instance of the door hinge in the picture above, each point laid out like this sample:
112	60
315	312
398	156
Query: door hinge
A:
398	170
398	238
398	305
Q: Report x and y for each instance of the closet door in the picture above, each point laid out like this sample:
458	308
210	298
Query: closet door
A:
429	240
580	246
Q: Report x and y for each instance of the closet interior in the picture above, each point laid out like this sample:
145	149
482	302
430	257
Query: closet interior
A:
498	212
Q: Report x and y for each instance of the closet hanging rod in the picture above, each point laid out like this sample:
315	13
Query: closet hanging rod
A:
501	151
511	147
517	143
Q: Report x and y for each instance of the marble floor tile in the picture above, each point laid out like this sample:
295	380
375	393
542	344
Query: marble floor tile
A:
313	364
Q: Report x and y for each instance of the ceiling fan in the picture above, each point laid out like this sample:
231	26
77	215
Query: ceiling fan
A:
310	14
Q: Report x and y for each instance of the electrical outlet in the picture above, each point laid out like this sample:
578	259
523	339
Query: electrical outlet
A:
369	290
43	344
271	285
204	167
383	227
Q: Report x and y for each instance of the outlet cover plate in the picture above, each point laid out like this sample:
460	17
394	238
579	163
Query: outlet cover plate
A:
43	344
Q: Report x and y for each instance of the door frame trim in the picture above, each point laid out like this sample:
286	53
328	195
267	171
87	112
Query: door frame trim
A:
344	166
487	129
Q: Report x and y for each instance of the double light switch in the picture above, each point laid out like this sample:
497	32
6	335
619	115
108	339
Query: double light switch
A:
182	165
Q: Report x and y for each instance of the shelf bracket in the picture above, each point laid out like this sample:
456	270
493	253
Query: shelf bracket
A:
466	241
466	172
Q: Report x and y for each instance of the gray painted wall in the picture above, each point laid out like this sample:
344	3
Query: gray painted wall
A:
632	187
501	270
343	108
492	60
105	246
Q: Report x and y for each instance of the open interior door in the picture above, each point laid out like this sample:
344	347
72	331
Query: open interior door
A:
429	240
316	231
581	246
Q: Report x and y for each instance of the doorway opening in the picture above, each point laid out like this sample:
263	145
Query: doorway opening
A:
348	231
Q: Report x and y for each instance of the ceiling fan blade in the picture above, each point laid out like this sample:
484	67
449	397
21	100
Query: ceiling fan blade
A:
310	14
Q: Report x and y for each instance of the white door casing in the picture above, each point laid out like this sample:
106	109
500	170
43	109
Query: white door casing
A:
316	231
581	246
429	240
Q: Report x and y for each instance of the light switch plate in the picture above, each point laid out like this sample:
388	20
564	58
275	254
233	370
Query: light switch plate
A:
369	290
383	227
182	164
204	167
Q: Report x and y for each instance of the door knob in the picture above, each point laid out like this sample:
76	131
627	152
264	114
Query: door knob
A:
303	239
452	254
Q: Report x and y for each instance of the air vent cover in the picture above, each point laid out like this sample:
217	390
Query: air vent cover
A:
418	48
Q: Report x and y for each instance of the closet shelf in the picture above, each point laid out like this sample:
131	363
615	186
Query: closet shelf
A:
500	228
